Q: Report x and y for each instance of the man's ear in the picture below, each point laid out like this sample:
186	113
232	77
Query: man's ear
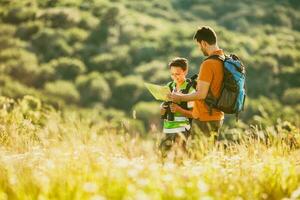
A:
204	43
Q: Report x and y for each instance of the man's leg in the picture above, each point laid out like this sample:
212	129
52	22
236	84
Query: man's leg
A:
207	127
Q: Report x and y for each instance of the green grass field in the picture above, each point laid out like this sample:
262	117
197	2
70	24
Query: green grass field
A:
48	155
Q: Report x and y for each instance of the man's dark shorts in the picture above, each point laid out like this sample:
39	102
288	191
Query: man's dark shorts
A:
206	128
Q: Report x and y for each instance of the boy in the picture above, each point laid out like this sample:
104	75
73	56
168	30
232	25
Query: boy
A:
177	116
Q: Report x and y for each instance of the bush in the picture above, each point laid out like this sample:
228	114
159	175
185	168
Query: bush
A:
20	64
14	89
154	71
93	88
46	74
7	30
148	112
17	15
26	30
64	90
61	17
49	44
291	96
128	92
7	42
88	21
116	60
67	68
75	35
143	52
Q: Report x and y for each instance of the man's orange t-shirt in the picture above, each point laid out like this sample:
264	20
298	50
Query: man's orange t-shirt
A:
211	71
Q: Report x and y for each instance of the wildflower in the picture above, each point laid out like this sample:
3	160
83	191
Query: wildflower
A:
202	186
90	187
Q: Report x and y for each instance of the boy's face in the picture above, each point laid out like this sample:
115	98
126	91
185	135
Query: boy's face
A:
178	74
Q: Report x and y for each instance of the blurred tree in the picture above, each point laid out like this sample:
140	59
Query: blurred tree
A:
116	60
148	112
49	44
127	93
154	71
93	88
63	89
61	17
17	14
20	64
291	96
67	68
26	30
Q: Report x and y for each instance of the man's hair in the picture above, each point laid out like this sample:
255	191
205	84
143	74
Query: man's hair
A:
179	62
207	34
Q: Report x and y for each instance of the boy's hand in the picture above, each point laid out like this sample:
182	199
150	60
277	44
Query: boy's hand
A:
162	110
175	108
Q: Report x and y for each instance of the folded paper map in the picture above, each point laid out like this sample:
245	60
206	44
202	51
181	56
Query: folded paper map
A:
159	92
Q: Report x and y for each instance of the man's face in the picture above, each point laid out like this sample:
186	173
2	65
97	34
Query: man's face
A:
202	47
177	74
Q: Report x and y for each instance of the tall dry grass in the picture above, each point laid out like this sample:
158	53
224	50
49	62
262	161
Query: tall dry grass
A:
45	154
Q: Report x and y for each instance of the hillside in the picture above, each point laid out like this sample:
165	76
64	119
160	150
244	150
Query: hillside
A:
96	54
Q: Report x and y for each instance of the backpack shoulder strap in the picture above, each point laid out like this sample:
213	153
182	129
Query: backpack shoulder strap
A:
191	82
216	57
170	85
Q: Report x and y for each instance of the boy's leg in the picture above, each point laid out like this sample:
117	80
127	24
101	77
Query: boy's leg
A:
181	139
167	143
174	140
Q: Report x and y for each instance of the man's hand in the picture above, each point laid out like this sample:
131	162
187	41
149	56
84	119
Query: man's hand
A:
174	97
175	108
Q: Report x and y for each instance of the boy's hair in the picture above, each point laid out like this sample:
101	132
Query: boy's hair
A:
179	62
207	34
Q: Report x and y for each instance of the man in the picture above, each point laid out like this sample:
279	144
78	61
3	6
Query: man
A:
209	82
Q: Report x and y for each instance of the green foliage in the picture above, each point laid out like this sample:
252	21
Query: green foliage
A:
61	17
51	43
67	68
63	89
155	72
20	64
130	42
148	112
127	92
93	88
291	96
112	61
264	112
15	89
26	30
20	14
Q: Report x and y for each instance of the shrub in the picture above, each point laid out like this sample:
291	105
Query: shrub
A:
148	112
67	68
20	64
49	44
64	90
93	88
20	14
26	30
128	92
61	17
154	71
291	96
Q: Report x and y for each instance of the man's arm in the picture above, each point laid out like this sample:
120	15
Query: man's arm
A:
201	93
